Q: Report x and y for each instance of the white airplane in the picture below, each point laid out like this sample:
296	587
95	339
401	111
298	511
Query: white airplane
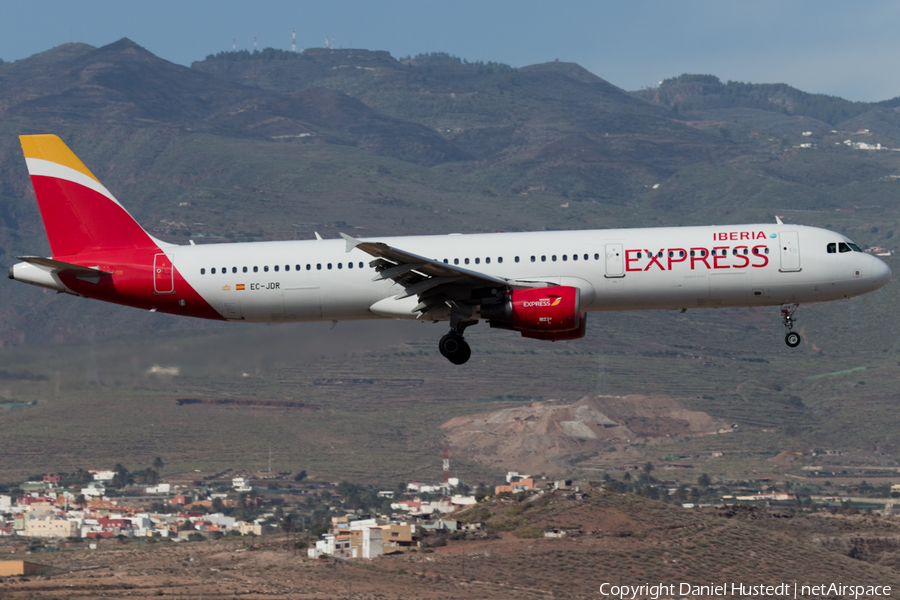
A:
541	284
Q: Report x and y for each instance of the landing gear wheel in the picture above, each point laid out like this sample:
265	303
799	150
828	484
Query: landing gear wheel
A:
792	339
455	348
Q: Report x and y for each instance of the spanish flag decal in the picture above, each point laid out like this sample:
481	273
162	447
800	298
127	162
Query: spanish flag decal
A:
239	287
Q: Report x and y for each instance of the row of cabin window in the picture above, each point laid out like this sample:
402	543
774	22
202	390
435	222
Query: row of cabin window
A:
702	253
487	260
276	268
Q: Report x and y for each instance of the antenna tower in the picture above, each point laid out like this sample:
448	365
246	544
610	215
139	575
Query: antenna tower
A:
234	44
294	42
254	44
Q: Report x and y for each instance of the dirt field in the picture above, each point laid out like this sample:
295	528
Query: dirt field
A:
611	538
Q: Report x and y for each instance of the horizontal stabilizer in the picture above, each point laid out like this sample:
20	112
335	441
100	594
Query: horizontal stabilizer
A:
58	266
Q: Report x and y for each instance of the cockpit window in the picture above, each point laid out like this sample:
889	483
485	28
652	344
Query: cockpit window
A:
854	247
832	248
844	247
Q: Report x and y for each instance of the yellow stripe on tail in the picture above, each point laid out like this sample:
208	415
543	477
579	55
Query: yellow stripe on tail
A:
53	149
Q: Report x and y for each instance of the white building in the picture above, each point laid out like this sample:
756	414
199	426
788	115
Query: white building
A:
372	542
93	490
104	475
241	484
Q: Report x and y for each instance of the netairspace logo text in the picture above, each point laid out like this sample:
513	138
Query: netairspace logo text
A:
738	590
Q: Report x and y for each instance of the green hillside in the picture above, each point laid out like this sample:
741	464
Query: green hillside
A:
282	146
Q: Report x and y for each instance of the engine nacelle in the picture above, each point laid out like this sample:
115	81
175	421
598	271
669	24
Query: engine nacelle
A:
542	313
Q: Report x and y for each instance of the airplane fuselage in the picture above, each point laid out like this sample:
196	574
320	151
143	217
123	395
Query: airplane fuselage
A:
541	284
615	269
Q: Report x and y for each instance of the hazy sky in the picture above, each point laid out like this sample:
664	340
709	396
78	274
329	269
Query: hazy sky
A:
847	49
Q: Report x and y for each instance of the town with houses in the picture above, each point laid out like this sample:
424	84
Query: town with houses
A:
104	511
94	513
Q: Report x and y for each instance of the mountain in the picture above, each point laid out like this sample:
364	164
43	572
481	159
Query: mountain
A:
276	145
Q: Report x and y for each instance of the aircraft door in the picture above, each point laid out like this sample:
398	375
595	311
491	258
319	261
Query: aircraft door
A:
615	261
789	246
163	274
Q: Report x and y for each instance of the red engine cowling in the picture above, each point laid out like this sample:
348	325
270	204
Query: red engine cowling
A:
548	313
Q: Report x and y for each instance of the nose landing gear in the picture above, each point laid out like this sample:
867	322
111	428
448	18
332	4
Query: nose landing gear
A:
792	338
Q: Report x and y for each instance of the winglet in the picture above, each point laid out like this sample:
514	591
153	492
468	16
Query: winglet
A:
778	220
352	242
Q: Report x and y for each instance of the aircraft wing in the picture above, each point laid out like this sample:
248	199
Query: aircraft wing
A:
433	281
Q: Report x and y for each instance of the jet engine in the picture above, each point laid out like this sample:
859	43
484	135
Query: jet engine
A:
547	313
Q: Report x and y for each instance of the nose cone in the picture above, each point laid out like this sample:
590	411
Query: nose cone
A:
881	273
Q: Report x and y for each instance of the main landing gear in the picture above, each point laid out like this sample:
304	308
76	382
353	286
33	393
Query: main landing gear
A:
454	347
792	338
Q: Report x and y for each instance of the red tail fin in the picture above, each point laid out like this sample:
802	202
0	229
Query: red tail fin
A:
79	214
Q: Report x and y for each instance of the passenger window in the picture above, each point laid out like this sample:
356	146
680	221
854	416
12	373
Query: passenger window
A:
517	259
553	258
692	252
276	268
224	270
681	253
499	259
585	257
234	269
245	269
596	256
455	261
575	257
532	259
477	261
203	271
318	266
467	261
565	257
308	267
256	269
212	271
487	260
296	267
640	255
543	259
266	268
350	265
831	248
746	252
767	250
446	261
842	247
329	266
360	265
340	265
